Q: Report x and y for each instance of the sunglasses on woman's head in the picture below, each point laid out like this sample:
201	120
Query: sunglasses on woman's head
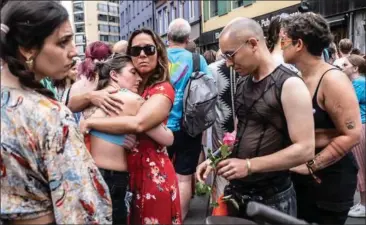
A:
148	50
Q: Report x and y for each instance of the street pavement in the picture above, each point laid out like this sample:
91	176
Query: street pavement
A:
197	212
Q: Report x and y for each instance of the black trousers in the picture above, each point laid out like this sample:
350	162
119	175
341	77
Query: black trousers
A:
118	187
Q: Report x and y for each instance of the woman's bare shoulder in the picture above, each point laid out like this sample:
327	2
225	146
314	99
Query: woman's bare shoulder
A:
128	96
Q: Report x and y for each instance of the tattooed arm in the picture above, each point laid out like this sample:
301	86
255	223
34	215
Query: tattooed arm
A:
344	111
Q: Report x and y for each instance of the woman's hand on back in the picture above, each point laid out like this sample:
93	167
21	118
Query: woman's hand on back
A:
107	101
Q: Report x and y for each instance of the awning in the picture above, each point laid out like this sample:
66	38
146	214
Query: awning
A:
336	20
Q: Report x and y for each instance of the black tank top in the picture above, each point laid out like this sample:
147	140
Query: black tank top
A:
321	117
262	126
345	170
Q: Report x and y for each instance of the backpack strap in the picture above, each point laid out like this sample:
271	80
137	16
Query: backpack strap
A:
196	62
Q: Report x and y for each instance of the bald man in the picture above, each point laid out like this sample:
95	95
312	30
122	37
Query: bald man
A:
275	127
120	47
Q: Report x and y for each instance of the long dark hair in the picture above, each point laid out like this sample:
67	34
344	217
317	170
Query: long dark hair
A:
115	62
29	23
162	71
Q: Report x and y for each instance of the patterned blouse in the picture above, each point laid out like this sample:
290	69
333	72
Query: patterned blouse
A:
44	165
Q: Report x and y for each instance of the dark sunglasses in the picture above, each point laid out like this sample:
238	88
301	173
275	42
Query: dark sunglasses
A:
148	50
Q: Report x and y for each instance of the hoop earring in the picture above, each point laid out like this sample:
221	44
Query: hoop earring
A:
29	63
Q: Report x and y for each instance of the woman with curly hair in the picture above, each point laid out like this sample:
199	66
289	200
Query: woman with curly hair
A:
325	186
152	177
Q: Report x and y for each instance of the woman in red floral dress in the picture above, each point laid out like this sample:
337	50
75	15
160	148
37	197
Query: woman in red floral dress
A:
152	177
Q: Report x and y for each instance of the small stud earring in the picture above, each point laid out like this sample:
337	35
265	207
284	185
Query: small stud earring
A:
29	63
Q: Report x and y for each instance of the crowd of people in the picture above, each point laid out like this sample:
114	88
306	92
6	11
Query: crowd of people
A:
101	140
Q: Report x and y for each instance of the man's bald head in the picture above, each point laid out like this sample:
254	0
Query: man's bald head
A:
242	28
120	47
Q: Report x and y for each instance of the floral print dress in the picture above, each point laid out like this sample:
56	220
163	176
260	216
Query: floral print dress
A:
44	165
153	180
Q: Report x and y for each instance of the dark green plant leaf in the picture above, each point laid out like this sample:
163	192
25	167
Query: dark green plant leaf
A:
214	204
202	189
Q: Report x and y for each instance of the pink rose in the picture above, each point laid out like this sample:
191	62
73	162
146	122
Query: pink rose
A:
229	139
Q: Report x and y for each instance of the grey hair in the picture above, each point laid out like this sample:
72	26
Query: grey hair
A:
179	30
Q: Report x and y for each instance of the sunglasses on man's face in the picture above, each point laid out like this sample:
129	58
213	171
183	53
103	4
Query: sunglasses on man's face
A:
148	50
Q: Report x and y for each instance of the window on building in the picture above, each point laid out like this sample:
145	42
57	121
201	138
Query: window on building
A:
79	17
213	8
160	18
103	28
129	13
80	49
172	10
191	8
113	38
102	17
79	28
123	19
102	7
143	24
133	9
168	16
103	37
114	19
180	6
113	9
78	6
113	29
240	3
79	38
165	19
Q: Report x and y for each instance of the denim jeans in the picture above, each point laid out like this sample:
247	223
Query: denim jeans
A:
283	201
118	187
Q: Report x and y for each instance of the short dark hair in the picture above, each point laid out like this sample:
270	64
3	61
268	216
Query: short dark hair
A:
356	51
345	46
312	29
29	23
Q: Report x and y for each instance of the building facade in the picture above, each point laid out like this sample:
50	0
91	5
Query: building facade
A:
135	14
347	19
217	14
168	10
94	21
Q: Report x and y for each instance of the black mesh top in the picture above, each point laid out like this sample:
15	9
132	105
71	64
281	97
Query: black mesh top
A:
262	126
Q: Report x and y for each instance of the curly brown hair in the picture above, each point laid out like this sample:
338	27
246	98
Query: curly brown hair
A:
162	70
312	29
